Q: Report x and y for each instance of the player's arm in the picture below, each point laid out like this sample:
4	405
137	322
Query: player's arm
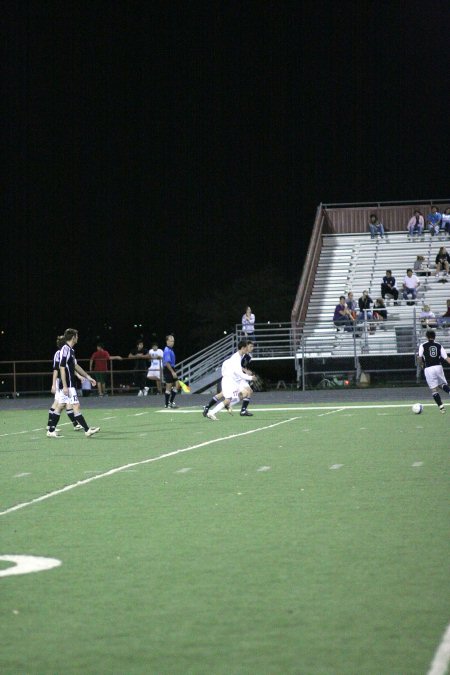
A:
54	377
79	369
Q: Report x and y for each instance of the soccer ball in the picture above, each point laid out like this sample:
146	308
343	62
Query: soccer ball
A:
417	408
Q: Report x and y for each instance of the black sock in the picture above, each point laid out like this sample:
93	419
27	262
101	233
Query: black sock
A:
54	419
437	398
167	397
71	416
245	402
173	393
79	419
50	413
446	388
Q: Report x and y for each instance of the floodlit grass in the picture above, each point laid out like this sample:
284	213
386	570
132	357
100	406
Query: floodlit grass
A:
318	544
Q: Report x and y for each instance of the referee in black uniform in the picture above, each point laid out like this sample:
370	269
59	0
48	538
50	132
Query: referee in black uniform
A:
432	354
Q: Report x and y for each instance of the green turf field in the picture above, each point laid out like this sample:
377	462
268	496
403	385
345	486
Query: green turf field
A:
306	540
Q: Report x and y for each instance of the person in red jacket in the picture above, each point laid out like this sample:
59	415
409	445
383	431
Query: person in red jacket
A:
99	365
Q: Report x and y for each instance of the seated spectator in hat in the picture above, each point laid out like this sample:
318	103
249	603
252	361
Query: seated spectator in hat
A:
388	286
342	316
434	221
416	224
375	226
420	267
410	286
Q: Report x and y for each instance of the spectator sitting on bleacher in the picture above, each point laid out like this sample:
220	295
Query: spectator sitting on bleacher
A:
364	302
410	285
342	315
379	310
420	268
351	304
442	261
434	221
446	221
427	317
375	226
388	286
416	224
444	320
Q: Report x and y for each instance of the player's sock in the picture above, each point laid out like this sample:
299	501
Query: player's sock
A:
54	419
245	402
167	397
218	407
71	416
437	398
446	388
173	393
79	419
50	413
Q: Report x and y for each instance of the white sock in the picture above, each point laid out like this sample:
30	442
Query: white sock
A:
217	408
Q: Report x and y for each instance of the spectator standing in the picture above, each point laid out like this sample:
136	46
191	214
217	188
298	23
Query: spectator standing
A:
98	364
155	368
434	221
410	286
248	323
342	315
140	356
416	224
442	261
388	286
446	221
375	227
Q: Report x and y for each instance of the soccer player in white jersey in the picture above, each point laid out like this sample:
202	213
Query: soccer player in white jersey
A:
432	354
56	390
155	368
68	394
235	383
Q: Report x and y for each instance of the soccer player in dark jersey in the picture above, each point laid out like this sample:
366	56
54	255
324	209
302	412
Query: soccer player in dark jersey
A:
245	362
432	354
169	373
67	367
56	390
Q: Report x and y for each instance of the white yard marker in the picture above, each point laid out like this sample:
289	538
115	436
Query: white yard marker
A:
22	475
185	470
331	412
336	466
417	464
264	468
118	469
441	658
24	564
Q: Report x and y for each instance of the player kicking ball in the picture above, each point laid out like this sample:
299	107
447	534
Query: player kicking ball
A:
431	355
235	382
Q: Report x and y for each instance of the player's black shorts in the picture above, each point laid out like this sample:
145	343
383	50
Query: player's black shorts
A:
168	377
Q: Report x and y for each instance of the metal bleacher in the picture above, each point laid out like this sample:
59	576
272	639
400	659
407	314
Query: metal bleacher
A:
355	262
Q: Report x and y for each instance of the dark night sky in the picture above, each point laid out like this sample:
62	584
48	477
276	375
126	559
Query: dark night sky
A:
156	151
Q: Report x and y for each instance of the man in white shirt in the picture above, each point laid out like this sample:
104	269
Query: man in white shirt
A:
155	367
235	383
410	285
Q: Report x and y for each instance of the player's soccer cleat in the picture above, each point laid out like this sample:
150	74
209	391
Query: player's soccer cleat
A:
211	416
91	431
442	409
166	406
146	391
173	405
205	410
78	427
53	434
245	413
140	392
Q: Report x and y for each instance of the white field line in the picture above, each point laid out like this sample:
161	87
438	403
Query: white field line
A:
331	412
125	467
441	658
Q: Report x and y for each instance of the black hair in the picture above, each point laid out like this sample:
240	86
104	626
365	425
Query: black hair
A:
431	334
242	343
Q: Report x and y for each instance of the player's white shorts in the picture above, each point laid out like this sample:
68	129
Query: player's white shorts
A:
72	396
154	374
231	389
434	376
